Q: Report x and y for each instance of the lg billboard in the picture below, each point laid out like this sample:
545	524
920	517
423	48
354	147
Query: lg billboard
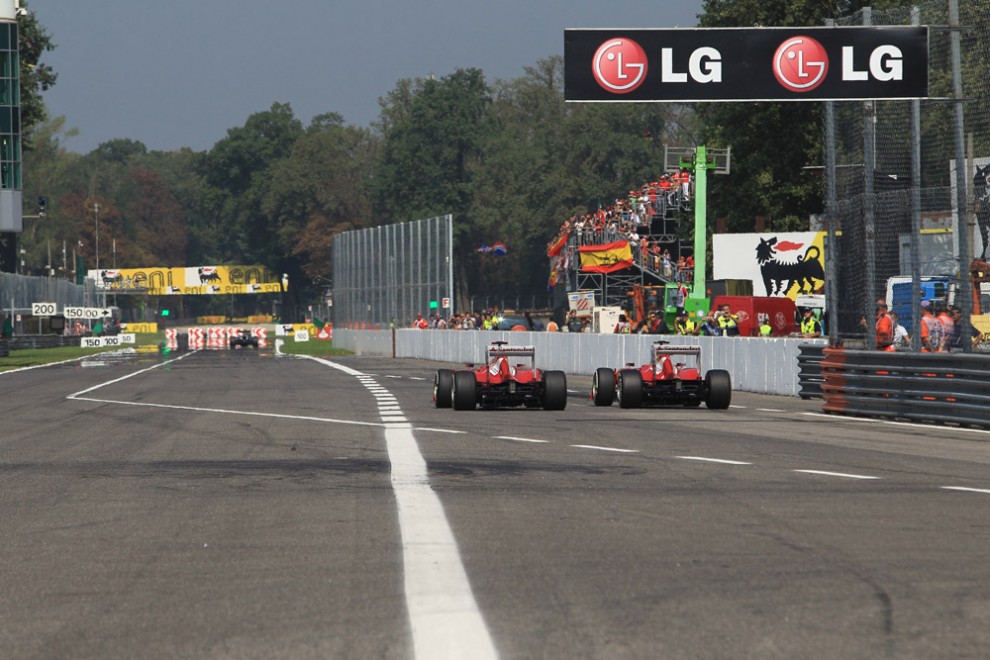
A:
746	64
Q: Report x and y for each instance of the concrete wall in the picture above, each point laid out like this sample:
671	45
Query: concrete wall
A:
767	366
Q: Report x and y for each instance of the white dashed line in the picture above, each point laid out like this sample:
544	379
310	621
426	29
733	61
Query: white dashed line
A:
968	490
769	410
837	474
713	460
624	451
515	439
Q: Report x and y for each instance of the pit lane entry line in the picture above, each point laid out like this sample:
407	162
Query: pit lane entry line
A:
443	614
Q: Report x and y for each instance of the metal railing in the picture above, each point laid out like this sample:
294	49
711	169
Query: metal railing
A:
945	388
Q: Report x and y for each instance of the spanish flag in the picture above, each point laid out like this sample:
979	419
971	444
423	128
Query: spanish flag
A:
606	258
558	245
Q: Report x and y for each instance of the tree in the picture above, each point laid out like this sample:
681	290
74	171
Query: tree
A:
36	77
318	192
237	172
432	153
771	142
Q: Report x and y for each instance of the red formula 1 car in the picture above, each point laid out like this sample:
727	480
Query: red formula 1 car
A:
499	383
663	382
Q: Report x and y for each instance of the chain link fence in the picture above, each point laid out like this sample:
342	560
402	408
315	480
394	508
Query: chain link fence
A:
388	274
19	292
895	194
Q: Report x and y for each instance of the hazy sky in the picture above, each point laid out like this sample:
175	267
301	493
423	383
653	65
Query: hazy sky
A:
179	73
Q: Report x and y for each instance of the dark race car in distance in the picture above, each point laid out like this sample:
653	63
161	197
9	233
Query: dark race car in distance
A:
663	381
501	384
242	339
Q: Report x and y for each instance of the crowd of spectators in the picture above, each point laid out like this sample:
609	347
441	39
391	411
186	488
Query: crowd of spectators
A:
630	219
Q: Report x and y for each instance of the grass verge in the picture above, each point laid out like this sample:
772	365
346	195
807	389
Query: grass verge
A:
38	356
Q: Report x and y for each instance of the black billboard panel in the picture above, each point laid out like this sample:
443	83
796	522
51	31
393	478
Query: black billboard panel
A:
746	64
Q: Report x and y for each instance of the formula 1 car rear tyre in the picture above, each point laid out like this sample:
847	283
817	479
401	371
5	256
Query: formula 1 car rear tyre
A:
554	390
465	393
718	389
603	387
630	388
443	386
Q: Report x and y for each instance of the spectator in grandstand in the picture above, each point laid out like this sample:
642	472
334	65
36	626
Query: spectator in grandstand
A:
884	327
728	323
574	323
709	327
810	326
902	339
932	334
685	325
948	327
622	327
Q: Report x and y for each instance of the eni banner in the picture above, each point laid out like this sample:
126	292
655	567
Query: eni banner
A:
196	280
779	264
606	258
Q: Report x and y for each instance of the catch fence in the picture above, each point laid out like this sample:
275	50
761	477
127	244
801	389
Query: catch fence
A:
387	274
895	203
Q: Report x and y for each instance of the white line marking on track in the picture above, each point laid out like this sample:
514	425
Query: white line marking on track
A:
515	439
249	413
769	410
968	490
732	405
435	430
443	614
837	474
624	451
871	420
713	460
130	375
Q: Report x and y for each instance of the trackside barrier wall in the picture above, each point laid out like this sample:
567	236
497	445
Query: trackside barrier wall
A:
810	376
766	366
921	387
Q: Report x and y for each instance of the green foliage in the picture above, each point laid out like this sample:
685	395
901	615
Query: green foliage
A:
771	143
36	76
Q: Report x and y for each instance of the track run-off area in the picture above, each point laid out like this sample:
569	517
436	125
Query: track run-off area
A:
244	504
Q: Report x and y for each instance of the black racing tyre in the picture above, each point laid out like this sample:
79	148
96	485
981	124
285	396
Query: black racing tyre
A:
554	390
465	391
630	388
718	389
443	386
603	387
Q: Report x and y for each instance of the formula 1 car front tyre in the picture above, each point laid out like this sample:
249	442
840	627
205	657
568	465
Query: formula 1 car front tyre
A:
603	387
718	389
465	393
554	390
630	388
443	385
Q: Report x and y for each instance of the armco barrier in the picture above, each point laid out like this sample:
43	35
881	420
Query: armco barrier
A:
920	387
810	376
757	364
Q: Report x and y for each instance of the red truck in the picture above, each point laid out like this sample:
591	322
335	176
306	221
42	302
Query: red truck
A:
780	311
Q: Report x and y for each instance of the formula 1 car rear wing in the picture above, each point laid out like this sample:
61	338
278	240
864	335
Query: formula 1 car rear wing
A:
501	350
678	350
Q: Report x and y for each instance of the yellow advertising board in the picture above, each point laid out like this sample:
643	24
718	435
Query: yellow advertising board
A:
196	280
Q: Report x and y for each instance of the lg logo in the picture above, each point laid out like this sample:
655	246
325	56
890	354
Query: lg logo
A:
620	65
801	64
